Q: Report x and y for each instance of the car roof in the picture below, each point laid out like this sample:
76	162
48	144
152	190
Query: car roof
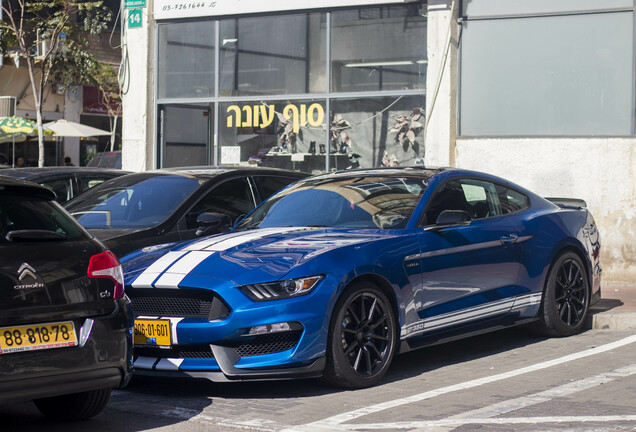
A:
35	172
213	171
400	171
25	187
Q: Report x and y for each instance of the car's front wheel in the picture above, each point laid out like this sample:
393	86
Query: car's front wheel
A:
565	298
362	338
75	406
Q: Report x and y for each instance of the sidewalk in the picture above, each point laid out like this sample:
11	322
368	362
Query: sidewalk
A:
617	308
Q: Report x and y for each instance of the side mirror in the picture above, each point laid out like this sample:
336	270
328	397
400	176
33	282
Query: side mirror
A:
450	218
212	223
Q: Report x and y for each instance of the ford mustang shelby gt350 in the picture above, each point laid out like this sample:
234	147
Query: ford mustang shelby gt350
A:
336	273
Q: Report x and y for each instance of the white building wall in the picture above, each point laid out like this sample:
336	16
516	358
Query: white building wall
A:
441	83
602	171
138	123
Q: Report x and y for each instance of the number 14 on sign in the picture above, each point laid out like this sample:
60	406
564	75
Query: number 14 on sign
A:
134	18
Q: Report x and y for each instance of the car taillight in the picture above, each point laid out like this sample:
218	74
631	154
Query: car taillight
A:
106	265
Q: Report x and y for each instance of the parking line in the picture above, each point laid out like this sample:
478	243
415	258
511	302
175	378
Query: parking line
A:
483	415
336	422
454	423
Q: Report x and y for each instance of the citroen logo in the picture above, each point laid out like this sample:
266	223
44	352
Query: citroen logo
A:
26	270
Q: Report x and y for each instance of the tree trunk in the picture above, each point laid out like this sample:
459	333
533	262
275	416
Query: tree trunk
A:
113	129
38	112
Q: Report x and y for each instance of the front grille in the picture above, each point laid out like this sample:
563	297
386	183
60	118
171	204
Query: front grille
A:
178	303
178	351
269	343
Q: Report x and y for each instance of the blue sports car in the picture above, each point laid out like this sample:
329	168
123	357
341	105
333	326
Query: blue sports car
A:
336	273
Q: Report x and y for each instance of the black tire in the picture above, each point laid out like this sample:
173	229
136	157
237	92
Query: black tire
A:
565	298
76	406
362	338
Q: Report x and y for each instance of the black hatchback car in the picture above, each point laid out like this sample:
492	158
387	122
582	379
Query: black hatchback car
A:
65	323
164	206
66	181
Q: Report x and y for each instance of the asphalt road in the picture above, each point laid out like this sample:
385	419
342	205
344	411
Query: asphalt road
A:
505	381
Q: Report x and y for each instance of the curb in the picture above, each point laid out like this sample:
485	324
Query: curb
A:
611	320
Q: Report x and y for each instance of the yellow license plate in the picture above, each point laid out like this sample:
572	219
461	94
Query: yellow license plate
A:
152	332
37	337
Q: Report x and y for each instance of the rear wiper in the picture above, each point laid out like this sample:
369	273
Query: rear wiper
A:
33	235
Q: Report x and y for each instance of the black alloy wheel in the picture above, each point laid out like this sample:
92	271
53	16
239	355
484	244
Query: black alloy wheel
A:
566	297
362	338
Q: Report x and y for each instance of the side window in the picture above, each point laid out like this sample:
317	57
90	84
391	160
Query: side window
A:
511	200
233	198
62	189
476	197
269	185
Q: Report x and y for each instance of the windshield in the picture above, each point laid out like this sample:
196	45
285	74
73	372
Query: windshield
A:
352	202
133	201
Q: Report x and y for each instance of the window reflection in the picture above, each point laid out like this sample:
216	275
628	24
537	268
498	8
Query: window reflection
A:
281	134
272	54
383	131
186	60
378	49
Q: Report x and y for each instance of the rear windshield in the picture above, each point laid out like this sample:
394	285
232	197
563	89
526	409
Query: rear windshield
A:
20	213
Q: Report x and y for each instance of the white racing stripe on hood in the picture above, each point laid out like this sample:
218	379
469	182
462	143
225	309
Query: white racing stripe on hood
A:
174	266
151	273
229	241
202	244
175	274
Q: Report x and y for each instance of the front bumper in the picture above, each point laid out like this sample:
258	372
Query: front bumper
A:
221	350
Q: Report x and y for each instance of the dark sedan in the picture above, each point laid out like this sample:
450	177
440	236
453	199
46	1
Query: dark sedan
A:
66	181
164	206
65	323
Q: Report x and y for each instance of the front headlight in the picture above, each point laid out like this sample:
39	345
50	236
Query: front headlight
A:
282	289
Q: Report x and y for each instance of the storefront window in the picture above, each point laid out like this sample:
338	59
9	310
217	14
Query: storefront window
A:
275	105
281	54
382	131
186	60
474	8
569	75
378	49
280	134
185	135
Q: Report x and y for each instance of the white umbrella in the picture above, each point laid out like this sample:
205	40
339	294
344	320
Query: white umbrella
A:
67	128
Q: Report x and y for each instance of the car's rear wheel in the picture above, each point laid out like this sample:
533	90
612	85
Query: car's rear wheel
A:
565	298
76	406
362	338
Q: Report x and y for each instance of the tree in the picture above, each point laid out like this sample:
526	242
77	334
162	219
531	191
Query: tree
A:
48	35
104	77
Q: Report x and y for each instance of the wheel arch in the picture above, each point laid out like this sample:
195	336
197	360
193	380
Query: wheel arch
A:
384	286
584	259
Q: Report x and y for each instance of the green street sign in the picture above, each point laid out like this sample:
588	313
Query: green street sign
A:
134	18
130	4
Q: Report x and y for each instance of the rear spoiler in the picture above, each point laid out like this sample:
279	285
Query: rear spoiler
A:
571	203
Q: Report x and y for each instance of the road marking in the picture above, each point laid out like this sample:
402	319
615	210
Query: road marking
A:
336	422
427	425
483	415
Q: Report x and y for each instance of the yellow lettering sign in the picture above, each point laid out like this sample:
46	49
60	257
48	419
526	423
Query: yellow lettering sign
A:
262	116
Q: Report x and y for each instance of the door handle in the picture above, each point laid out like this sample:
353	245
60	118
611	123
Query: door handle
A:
508	238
